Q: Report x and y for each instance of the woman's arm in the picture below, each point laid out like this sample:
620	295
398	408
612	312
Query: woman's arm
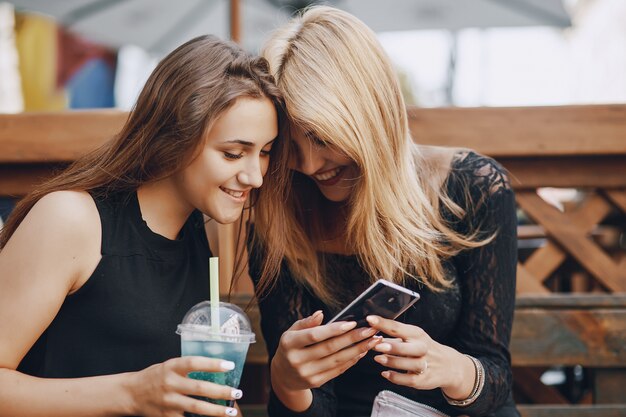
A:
305	356
51	254
487	280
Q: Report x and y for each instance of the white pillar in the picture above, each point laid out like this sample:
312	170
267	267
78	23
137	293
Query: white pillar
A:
11	100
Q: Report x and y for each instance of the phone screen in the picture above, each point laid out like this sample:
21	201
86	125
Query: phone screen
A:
382	299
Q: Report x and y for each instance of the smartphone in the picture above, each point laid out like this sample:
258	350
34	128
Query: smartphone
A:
382	298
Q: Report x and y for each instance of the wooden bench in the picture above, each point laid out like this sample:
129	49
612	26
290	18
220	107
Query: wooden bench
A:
571	306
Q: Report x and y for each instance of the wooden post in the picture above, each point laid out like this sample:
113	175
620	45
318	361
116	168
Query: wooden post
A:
235	21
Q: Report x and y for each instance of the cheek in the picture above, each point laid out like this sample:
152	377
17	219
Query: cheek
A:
202	172
265	163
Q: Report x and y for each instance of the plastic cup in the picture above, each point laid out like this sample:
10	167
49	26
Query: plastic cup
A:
228	341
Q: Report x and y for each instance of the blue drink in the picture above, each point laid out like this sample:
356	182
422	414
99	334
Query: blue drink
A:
221	332
234	352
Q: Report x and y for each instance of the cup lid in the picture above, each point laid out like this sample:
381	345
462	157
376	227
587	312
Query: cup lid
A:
234	325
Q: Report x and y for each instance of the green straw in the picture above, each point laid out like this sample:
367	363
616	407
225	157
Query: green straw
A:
214	282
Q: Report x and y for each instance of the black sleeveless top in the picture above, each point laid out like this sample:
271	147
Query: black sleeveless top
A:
124	317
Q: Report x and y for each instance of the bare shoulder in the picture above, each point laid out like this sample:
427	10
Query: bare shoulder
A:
63	232
67	212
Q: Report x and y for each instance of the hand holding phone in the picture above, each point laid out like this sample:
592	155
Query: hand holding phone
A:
382	298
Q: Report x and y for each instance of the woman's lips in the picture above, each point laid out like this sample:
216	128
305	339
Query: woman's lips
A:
237	195
330	177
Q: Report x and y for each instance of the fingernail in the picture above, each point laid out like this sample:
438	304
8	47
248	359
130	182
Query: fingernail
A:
236	394
383	347
381	359
368	332
227	365
373	343
231	411
315	315
347	326
385	374
372	319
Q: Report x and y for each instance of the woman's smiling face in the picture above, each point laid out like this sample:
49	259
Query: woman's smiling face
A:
334	173
232	161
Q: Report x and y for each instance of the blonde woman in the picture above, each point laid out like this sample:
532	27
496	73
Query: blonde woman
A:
362	201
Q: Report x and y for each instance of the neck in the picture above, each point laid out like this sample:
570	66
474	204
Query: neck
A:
334	228
162	209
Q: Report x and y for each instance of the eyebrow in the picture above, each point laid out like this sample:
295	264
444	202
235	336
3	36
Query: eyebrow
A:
247	143
240	142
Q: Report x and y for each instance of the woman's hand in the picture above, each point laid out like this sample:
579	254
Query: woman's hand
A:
426	363
164	389
310	354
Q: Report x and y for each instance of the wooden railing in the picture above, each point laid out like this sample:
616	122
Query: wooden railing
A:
571	306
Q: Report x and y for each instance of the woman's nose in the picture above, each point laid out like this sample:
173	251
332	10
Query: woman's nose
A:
251	175
307	159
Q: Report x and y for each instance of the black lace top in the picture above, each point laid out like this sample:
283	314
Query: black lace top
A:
474	316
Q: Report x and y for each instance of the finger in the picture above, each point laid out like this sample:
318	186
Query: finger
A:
313	320
340	359
335	344
395	328
417	366
408	379
203	388
392	339
186	364
308	337
205	408
322	377
413	349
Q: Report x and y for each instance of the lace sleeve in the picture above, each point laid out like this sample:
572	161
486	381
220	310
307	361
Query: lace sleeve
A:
284	304
487	278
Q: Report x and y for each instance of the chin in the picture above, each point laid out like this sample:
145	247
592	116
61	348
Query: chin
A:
336	197
223	216
227	219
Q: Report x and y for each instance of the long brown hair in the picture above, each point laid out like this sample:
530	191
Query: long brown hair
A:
184	95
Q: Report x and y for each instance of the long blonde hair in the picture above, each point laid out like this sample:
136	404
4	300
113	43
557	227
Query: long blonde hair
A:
339	84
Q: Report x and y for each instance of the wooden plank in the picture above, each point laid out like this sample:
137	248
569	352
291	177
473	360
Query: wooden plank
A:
528	381
499	132
566	172
587	337
544	261
528	283
17	180
590	212
55	136
609	385
572	301
587	130
586	252
618	197
615	410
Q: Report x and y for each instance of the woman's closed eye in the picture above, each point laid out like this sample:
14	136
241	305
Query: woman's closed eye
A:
320	143
232	156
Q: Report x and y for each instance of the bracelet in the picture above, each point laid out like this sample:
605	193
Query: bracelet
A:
479	383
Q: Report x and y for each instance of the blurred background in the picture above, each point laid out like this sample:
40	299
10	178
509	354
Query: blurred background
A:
59	54
83	54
